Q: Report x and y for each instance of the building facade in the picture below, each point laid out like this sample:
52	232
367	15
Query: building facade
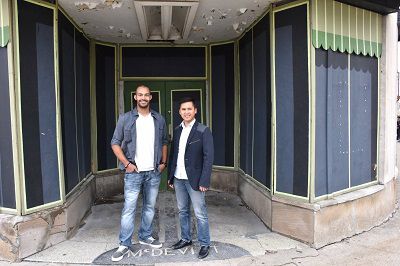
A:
302	107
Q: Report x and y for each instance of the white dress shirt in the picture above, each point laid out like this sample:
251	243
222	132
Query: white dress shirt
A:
180	171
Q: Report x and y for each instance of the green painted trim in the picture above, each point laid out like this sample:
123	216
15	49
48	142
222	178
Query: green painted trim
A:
378	125
19	114
311	108
346	190
273	95
236	121
93	115
120	64
43	207
42	3
222	167
349	114
208	92
272	76
161	78
61	177
221	43
105	43
19	179
313	125
4	210
12	78
291	196
76	115
252	79
4	35
290	5
162	45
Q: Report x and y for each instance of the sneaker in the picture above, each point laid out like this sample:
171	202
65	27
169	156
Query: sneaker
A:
154	243
120	253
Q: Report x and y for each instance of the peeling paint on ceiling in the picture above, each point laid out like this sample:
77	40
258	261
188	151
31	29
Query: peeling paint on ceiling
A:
116	20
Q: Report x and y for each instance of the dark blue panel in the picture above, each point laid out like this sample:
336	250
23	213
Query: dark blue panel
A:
68	101
223	87
82	66
262	103
321	74
47	112
363	118
7	189
105	105
291	73
246	103
337	122
284	109
163	62
38	108
332	130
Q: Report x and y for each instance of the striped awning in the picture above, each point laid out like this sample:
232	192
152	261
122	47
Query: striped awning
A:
345	28
4	23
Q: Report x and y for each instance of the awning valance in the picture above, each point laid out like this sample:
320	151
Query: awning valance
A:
345	28
4	23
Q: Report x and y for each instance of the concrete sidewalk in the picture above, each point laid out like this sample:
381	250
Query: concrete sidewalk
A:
238	235
239	238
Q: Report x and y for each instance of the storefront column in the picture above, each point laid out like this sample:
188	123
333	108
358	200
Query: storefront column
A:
388	88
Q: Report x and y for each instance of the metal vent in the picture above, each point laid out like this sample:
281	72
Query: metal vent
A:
165	20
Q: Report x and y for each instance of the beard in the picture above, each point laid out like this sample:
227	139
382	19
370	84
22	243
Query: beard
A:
143	104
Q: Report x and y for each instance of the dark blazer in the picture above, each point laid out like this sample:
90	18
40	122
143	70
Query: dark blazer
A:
199	155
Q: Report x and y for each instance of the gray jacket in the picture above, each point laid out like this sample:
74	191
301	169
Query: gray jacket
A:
125	135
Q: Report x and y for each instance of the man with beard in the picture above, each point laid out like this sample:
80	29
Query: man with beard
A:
140	144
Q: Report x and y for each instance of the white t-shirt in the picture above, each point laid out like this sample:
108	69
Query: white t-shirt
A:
144	157
180	171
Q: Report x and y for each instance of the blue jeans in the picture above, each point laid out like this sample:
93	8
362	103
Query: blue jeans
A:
184	195
132	185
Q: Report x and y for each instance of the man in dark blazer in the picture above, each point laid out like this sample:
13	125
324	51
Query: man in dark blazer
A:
190	165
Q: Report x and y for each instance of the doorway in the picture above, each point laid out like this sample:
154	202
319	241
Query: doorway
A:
165	100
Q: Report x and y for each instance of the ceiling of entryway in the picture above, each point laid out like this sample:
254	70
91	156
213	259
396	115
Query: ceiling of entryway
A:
181	22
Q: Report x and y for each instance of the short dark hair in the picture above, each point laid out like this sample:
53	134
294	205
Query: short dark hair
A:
142	86
186	100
